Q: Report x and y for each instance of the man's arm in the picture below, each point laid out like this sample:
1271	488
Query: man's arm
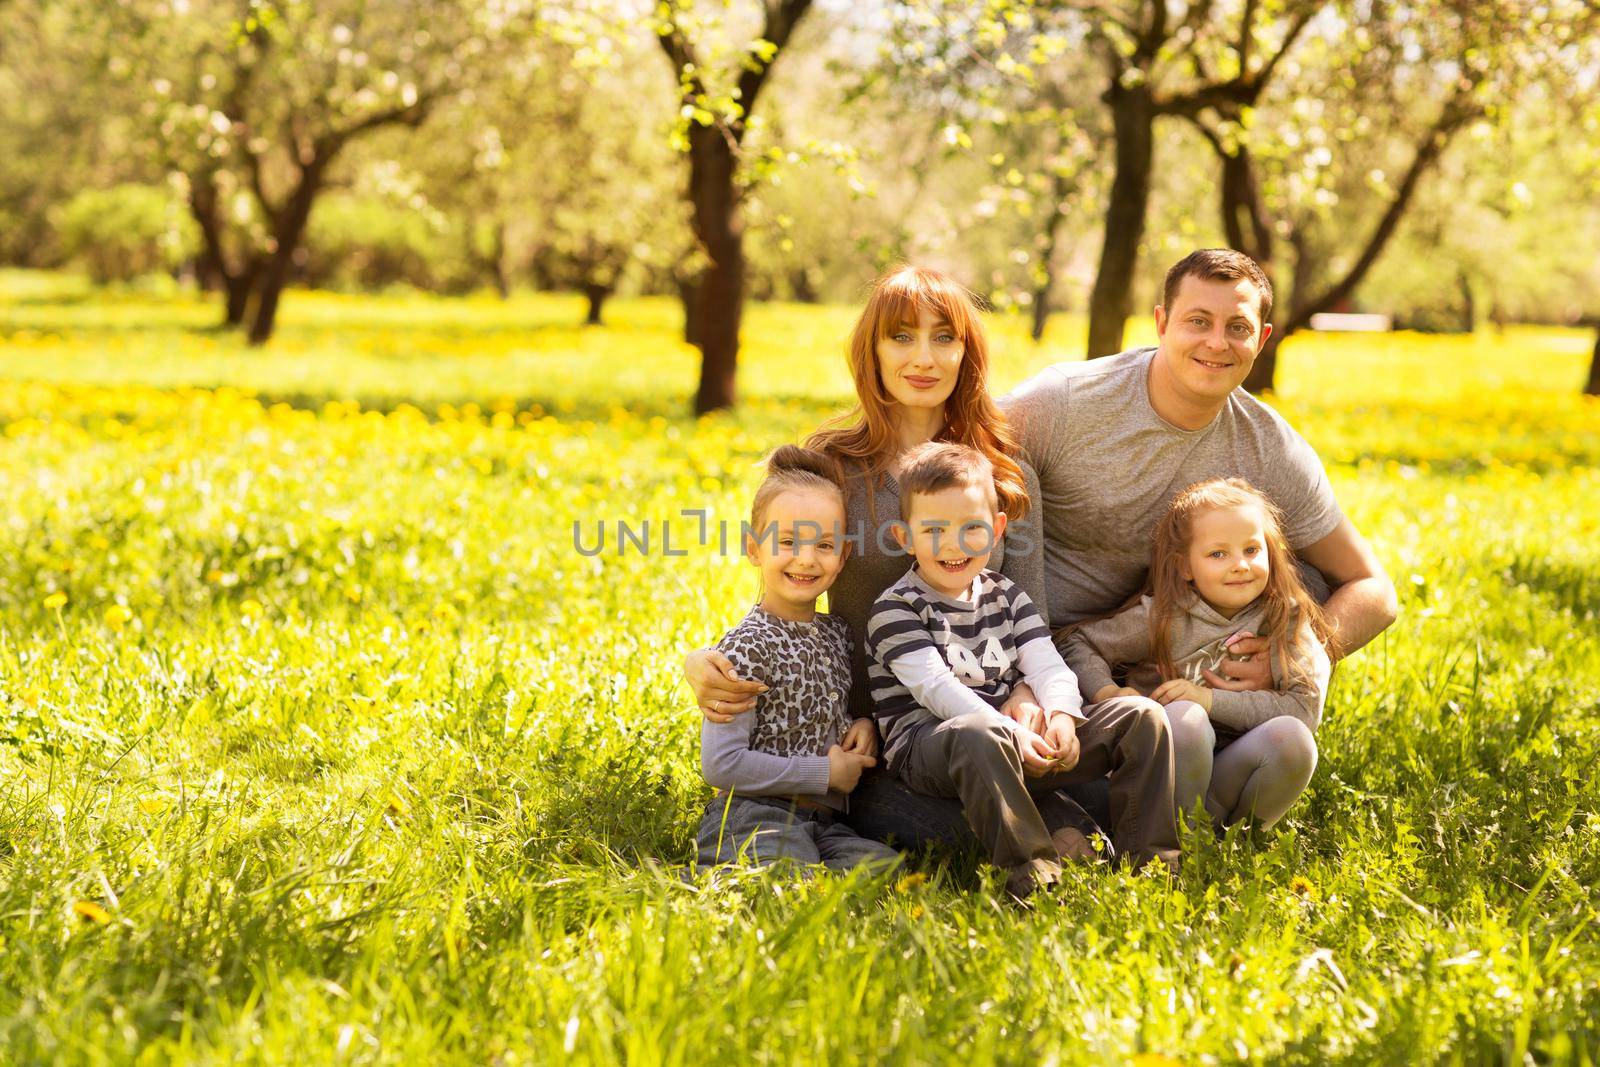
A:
1364	601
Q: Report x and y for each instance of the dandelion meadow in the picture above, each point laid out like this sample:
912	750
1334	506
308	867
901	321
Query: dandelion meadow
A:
320	741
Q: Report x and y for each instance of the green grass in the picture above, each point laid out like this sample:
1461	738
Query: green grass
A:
374	767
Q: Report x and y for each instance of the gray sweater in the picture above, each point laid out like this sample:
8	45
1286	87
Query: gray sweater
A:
1197	636
873	566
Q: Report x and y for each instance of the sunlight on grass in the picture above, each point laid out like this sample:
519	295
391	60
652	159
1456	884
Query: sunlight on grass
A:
320	741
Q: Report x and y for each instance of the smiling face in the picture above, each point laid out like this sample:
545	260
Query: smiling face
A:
1210	336
919	362
799	549
953	534
1227	557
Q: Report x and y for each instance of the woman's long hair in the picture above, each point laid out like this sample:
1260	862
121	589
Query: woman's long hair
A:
865	435
1291	609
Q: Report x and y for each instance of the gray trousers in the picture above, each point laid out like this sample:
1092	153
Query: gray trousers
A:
979	760
764	830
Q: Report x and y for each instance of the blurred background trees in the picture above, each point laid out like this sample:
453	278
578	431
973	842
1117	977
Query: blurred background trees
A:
1435	161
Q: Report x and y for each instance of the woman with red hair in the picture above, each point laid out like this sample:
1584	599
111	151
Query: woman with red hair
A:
920	361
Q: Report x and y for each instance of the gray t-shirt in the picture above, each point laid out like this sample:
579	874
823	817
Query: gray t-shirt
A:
1109	466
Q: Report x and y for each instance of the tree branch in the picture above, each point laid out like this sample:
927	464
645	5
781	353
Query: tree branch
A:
1455	114
781	18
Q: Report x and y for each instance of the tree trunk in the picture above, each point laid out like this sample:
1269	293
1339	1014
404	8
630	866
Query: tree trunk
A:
1452	117
1469	306
1047	259
497	262
1111	301
597	294
239	286
801	285
1265	369
1593	388
689	294
289	229
719	304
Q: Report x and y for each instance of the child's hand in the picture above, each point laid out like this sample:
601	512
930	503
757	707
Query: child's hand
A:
1182	689
1108	691
1062	733
844	768
1023	708
1248	667
1038	754
861	738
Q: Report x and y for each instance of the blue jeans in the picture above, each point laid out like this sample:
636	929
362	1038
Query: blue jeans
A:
763	830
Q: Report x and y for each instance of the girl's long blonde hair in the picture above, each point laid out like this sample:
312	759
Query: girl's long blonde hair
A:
971	417
1291	608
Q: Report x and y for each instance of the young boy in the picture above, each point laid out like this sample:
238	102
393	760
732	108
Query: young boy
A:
949	642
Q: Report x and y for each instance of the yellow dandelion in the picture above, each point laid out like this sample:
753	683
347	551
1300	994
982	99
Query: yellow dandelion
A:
251	609
1303	886
910	882
117	616
55	601
397	804
89	910
153	805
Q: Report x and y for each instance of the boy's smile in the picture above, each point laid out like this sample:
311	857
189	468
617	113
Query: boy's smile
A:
953	534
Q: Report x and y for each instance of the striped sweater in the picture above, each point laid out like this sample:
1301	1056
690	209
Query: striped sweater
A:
934	657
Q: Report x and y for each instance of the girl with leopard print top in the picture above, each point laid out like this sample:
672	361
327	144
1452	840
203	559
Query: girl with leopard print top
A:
784	769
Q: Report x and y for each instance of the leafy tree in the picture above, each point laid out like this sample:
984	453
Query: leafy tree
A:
256	100
1379	92
720	73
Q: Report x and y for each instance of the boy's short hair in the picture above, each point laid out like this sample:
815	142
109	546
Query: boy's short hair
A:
1218	265
938	465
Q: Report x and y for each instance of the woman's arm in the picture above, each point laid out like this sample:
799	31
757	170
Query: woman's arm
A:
719	689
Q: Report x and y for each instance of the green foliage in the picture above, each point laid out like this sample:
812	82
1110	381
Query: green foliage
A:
332	747
126	231
368	242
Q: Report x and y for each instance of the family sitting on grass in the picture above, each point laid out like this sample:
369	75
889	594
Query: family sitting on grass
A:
1121	587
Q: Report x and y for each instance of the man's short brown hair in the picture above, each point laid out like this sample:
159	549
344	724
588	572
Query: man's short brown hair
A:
939	465
1218	265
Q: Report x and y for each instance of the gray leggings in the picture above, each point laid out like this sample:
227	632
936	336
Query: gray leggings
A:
1256	776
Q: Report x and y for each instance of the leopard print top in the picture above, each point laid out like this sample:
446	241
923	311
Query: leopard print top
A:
806	666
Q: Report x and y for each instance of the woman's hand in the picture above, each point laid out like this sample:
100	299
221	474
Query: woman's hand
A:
718	689
861	738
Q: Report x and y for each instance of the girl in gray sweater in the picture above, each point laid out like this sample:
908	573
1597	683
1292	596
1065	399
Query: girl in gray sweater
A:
1220	569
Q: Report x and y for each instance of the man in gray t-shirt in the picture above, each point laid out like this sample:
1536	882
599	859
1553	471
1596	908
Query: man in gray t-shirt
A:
1114	440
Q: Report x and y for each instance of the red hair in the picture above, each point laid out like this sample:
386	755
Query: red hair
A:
971	417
